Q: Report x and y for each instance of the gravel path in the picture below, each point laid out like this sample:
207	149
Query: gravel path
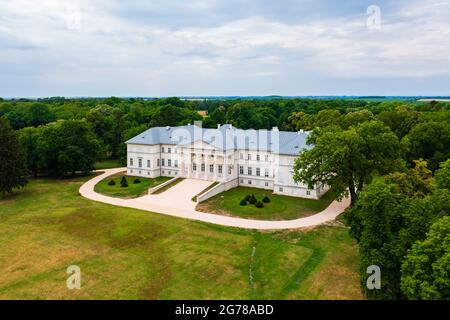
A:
177	202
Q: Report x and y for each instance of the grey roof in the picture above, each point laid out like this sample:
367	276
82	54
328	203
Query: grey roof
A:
227	137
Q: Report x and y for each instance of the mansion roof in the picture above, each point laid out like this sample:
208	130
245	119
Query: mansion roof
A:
226	137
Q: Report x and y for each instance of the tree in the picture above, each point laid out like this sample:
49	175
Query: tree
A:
13	169
124	182
346	160
67	147
442	176
401	121
28	138
426	268
391	215
429	141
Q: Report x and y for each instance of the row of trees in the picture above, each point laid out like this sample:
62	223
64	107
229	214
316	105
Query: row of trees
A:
402	225
395	167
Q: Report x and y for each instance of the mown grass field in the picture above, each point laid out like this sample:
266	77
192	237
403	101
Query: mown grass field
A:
108	164
133	190
130	254
279	208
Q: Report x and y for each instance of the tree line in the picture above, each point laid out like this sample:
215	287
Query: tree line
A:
394	165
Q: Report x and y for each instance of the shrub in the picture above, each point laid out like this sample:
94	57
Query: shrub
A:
259	204
136	181
111	182
243	202
247	198
266	199
124	182
252	199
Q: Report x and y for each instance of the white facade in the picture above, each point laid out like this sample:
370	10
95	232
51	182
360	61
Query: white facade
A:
202	160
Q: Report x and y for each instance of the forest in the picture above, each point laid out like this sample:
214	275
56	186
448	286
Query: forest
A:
390	157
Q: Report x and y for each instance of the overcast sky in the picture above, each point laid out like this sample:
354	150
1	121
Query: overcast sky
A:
223	47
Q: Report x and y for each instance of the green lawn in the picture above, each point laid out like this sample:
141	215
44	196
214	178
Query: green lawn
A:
107	164
280	207
129	254
133	190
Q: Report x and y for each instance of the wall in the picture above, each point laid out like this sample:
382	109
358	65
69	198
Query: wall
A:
224	186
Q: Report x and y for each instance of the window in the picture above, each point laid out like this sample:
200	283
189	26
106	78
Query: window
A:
258	157
148	173
169	162
140	162
229	170
131	161
258	172
163	162
249	156
241	156
220	169
131	171
266	173
211	168
148	163
249	181
176	163
169	150
158	162
194	167
308	193
162	149
241	170
267	157
266	184
280	189
249	171
203	167
140	172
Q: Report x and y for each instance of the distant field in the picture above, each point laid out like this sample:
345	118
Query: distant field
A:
279	208
430	100
129	254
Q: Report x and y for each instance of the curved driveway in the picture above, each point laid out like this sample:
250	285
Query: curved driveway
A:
179	204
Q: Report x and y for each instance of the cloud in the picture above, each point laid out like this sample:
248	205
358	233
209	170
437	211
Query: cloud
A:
218	47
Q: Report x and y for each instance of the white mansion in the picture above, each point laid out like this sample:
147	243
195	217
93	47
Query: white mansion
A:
231	156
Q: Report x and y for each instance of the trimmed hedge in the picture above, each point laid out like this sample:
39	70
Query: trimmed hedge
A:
259	204
124	182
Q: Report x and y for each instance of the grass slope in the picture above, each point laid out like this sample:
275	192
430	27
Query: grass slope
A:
129	254
280	207
133	190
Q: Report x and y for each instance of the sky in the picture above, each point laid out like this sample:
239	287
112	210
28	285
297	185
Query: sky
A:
152	48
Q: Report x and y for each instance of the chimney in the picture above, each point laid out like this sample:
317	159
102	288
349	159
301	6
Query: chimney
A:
301	131
167	128
218	126
275	129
